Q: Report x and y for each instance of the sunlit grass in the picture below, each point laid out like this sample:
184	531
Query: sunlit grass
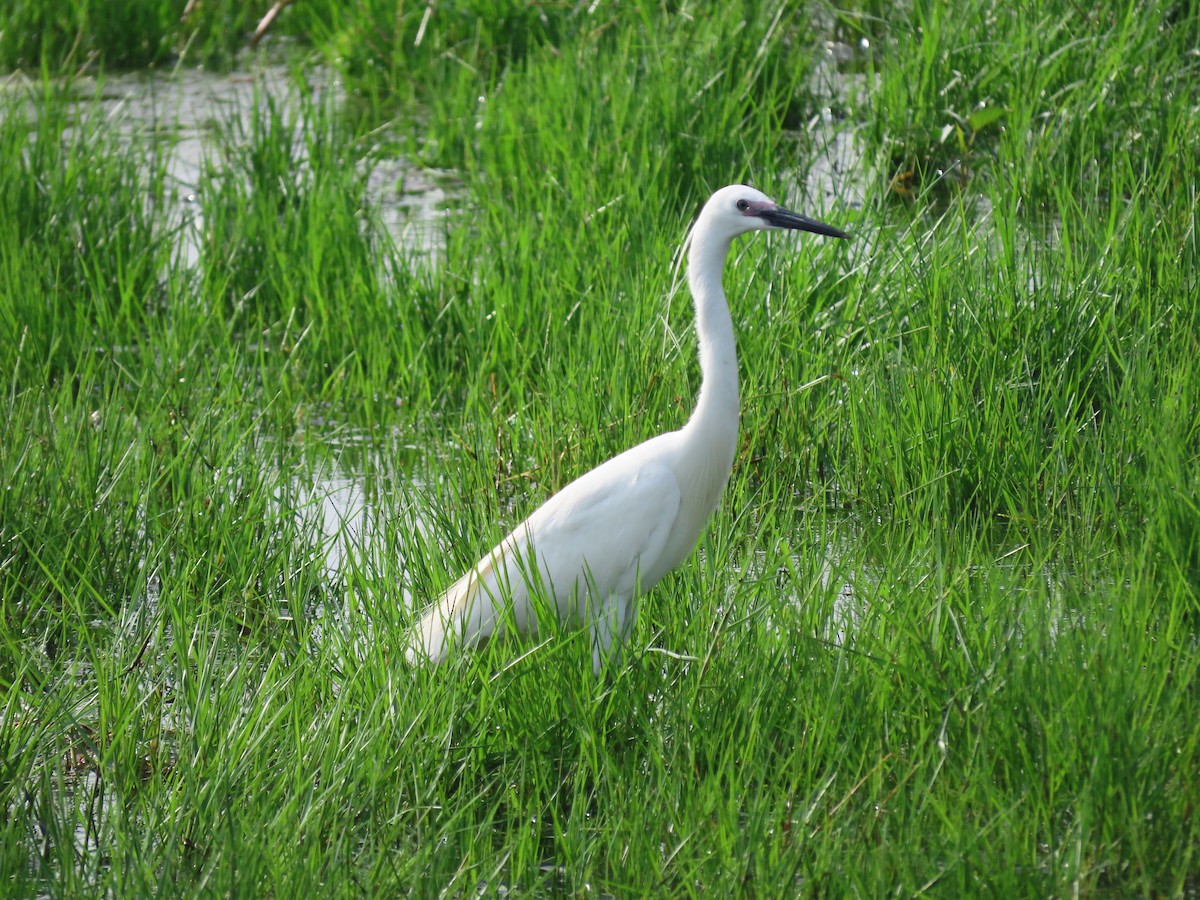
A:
941	635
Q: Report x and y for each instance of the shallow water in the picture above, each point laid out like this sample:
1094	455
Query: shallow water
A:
183	112
841	174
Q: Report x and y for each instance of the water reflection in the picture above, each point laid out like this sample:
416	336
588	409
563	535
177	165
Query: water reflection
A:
336	508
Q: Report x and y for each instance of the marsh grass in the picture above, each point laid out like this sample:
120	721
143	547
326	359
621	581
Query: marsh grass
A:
83	35
941	636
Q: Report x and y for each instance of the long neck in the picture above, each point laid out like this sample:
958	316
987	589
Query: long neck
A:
714	423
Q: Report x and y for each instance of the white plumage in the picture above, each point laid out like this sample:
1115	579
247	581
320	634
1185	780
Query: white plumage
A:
616	531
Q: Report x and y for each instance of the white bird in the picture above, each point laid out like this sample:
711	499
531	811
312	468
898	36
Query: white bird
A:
613	533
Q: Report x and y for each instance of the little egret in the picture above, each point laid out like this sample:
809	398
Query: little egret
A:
616	531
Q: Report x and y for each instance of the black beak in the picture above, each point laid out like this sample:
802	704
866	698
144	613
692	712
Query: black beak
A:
778	217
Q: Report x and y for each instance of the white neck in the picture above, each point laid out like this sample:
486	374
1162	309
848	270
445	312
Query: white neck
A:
712	431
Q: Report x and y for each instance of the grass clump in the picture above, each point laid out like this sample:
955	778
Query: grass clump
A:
1063	89
80	35
76	202
940	638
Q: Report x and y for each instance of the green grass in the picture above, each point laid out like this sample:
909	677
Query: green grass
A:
83	35
943	635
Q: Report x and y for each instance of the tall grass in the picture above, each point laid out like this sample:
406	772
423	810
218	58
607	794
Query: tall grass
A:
941	636
84	35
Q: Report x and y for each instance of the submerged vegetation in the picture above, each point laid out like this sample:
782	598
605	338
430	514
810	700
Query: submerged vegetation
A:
943	634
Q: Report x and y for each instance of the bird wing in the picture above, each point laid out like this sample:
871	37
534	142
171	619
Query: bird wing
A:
608	528
461	611
605	530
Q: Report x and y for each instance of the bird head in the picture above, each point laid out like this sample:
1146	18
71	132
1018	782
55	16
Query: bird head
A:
738	209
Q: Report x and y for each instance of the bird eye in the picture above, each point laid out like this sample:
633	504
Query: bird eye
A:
743	204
